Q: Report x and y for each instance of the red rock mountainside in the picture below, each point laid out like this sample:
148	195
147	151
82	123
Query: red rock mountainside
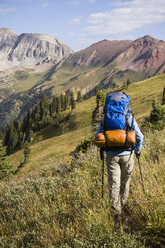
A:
98	53
143	54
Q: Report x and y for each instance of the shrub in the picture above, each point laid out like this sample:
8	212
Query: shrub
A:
5	166
157	116
85	145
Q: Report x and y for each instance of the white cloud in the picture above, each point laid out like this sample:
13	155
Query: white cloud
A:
75	21
5	10
91	1
44	5
74	2
126	17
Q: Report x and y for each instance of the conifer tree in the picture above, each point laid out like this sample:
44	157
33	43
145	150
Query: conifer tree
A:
85	97
54	105
97	113
13	138
18	126
62	101
44	107
2	134
67	99
27	152
72	101
37	114
65	102
128	82
58	110
96	90
5	166
29	119
163	97
79	96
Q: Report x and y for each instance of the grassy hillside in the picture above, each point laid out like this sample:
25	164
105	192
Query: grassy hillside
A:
55	199
19	89
50	143
61	205
20	81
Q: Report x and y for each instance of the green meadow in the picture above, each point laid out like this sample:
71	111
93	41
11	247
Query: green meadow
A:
54	201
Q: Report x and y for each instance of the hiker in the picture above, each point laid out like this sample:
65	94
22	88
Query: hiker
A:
119	158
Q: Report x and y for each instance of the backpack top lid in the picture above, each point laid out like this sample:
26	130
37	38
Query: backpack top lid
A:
117	102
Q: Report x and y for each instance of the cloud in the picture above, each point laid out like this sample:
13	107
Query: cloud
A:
126	17
44	5
75	21
91	1
5	10
74	2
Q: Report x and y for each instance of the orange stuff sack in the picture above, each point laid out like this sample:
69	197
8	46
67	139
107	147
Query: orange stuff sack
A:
120	138
115	138
100	140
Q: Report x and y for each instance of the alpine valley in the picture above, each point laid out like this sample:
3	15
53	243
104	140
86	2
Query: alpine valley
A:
33	64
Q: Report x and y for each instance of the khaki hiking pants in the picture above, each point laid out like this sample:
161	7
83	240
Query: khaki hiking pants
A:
119	169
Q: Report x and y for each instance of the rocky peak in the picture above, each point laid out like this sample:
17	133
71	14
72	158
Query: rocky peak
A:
145	42
29	49
7	37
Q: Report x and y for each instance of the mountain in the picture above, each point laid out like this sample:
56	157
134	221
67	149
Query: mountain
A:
110	64
98	53
29	49
106	64
145	53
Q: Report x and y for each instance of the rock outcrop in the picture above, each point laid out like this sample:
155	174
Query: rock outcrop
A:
29	49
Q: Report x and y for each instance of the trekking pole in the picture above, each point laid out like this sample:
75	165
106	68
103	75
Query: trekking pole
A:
141	173
102	158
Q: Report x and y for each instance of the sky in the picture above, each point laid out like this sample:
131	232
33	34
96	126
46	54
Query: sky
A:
80	23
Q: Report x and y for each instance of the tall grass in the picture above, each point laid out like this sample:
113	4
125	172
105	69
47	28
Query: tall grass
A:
62	205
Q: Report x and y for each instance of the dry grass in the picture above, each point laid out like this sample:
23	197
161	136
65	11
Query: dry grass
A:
57	148
64	206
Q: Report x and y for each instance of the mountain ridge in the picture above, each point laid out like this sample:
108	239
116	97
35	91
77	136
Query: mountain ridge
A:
28	49
106	64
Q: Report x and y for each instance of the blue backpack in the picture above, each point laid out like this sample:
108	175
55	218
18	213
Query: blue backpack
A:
117	111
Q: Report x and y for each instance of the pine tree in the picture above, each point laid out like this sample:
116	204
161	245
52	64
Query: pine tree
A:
97	113
2	134
163	98
72	101
27	152
65	102
128	82
58	109
18	125
85	96
79	96
13	138
62	101
54	105
96	90
5	166
37	115
44	107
